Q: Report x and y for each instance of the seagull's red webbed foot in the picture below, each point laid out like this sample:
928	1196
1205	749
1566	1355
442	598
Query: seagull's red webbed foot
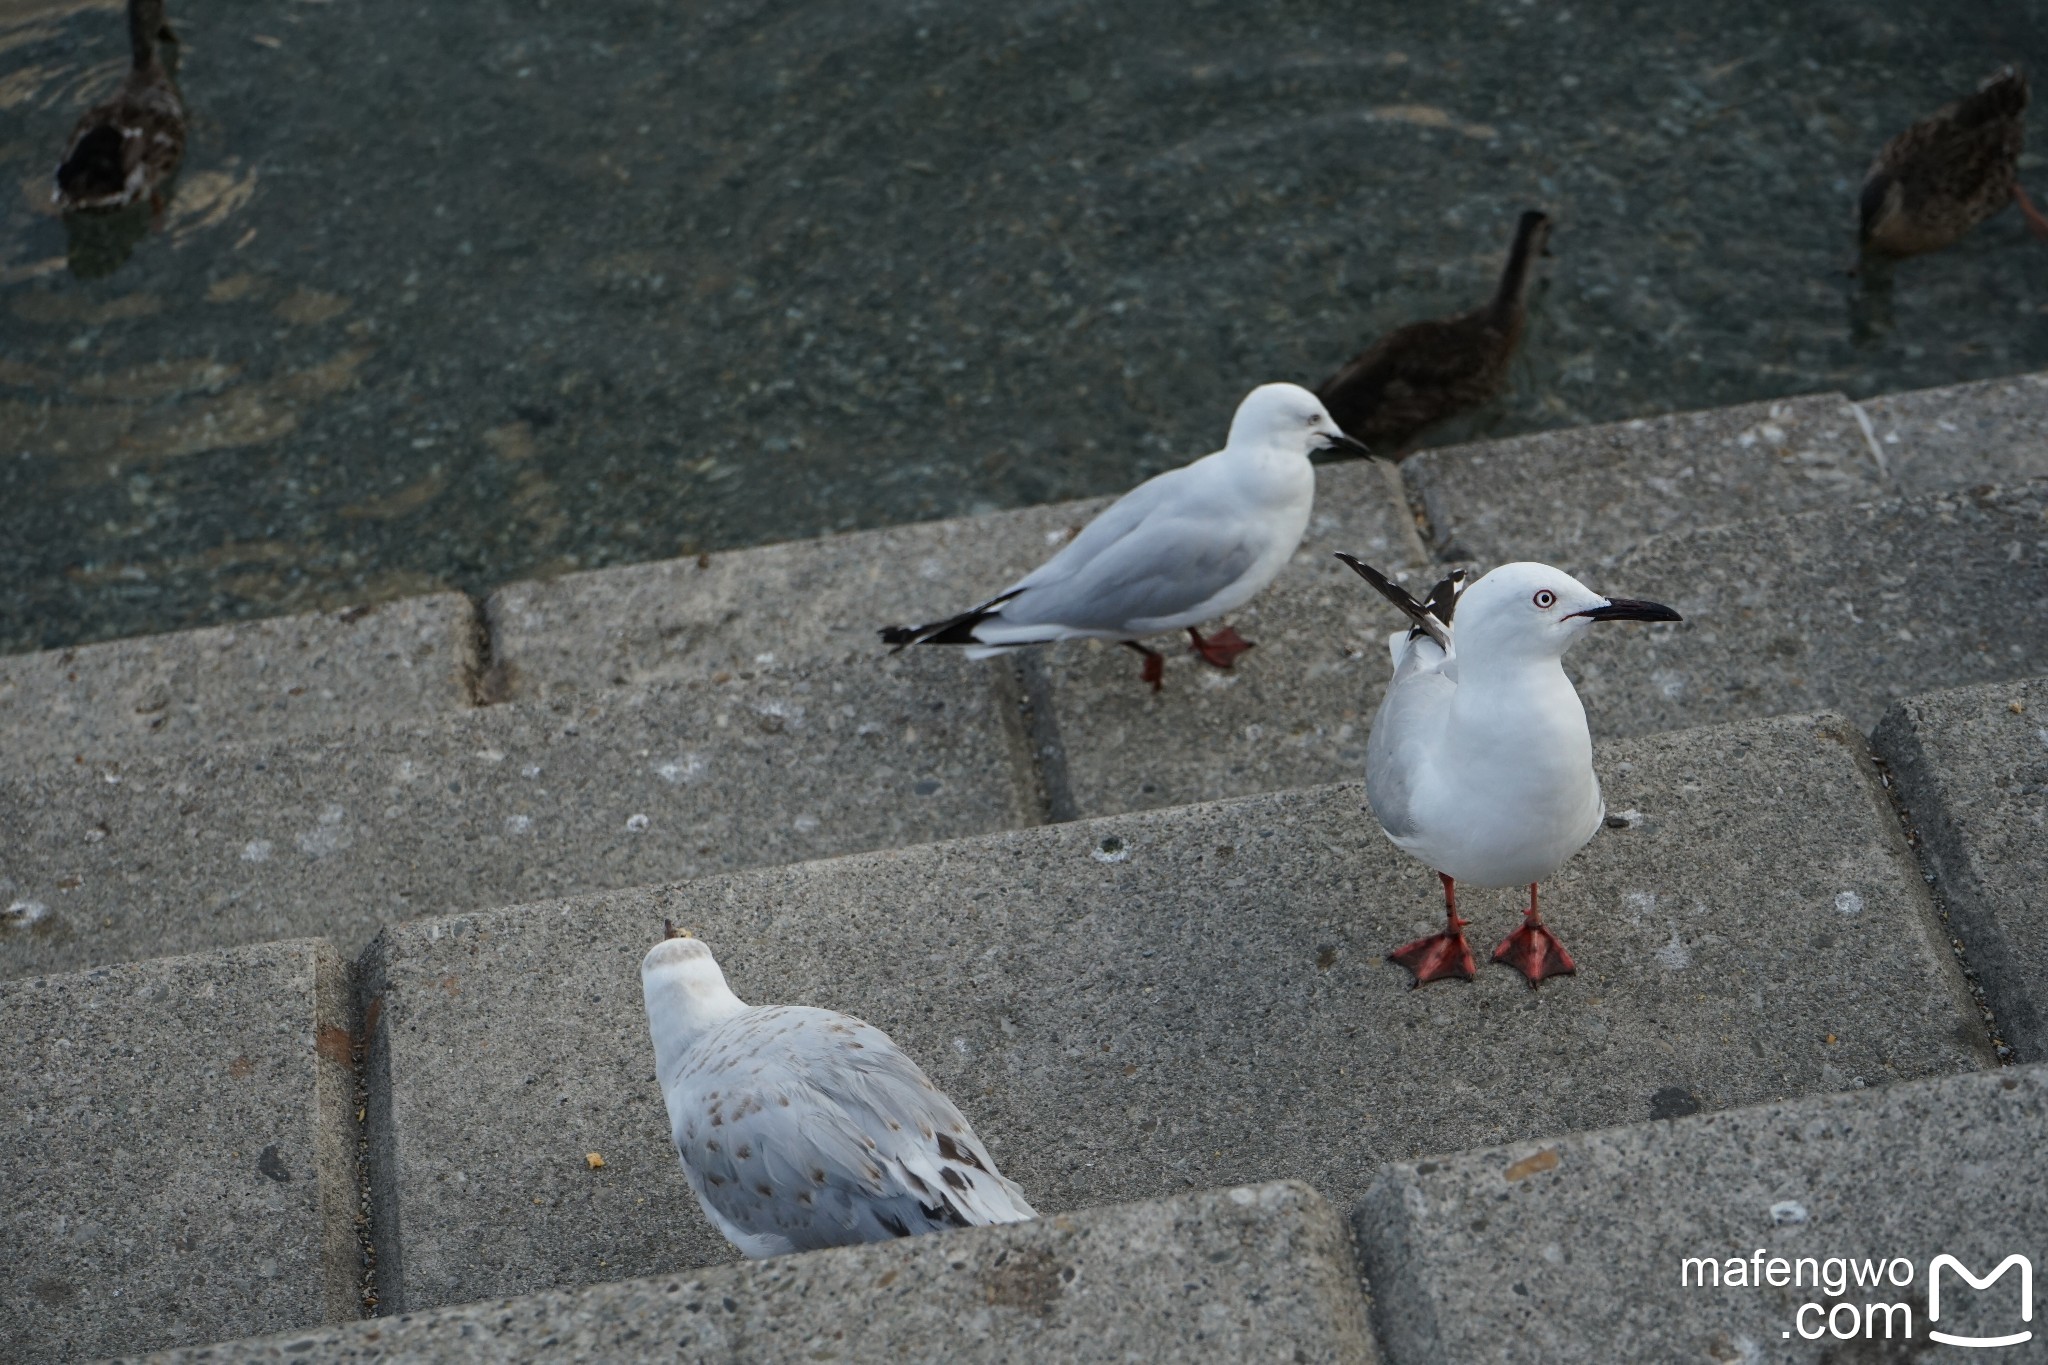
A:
1154	671
1533	950
1445	954
1220	649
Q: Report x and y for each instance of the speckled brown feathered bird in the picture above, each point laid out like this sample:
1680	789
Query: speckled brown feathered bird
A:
1415	377
1949	172
127	148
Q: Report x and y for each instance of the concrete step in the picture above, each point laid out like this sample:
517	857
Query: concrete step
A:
1292	713
1746	511
707	760
1844	609
1124	1006
686	619
1137	1005
179	1154
121	859
1060	734
291	676
1935	440
1971	766
1578	1248
1570	497
1092	739
1259	1273
1575	497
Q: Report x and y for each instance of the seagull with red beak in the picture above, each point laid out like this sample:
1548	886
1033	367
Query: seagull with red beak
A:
1480	763
1180	549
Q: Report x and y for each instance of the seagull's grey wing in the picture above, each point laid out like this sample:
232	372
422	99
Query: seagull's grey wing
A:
984	624
1166	566
818	1130
1111	525
1405	732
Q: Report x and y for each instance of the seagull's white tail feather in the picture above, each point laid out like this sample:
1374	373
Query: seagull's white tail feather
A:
988	650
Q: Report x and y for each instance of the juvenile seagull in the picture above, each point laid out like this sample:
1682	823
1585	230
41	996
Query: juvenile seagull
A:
803	1128
1179	549
1479	762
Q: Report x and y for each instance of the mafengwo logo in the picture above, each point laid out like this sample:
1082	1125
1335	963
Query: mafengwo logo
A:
1944	1261
1843	1280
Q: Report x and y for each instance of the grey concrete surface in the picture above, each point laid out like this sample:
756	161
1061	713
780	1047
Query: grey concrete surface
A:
497	805
1256	1274
289	676
819	599
1575	1249
1971	766
1843	610
1571	497
689	618
1294	712
1136	1005
1994	431
1576	496
178	1152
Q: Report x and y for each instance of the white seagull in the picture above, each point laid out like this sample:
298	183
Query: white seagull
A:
1480	763
802	1128
1181	548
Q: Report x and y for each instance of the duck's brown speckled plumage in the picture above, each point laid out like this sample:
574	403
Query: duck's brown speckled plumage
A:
1947	173
1419	375
127	148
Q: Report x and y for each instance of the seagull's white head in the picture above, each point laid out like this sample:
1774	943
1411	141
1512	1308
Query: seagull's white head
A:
685	993
1531	611
1288	418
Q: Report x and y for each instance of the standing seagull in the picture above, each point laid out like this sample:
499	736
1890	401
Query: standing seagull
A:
1180	548
802	1128
1479	762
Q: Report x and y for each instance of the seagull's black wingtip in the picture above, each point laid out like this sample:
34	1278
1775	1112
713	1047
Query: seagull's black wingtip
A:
1431	618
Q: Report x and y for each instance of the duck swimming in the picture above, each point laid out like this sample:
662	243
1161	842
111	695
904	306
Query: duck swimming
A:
1949	172
1420	374
127	148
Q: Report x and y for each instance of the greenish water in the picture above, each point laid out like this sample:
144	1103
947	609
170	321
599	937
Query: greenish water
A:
455	294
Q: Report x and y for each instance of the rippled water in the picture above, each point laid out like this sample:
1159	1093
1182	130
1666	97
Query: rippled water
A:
452	294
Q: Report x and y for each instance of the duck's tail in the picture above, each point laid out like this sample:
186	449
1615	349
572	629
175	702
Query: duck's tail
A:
2003	95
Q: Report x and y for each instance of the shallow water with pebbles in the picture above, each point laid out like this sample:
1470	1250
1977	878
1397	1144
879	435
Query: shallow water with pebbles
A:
449	296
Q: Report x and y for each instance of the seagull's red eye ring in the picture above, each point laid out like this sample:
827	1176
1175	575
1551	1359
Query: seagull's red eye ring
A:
1545	599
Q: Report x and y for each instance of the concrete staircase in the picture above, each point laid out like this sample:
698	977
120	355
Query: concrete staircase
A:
283	1058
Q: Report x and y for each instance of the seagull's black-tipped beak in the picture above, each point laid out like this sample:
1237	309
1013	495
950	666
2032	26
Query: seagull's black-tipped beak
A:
1342	447
1630	609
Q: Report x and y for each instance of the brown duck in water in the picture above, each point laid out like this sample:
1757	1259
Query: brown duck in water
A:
1949	172
1417	376
126	149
